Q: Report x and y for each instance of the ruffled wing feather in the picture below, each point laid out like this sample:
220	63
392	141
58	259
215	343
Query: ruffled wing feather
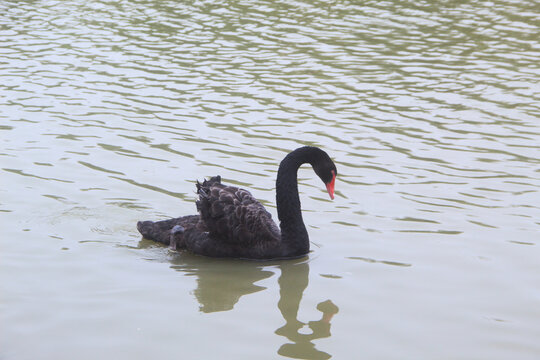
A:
233	215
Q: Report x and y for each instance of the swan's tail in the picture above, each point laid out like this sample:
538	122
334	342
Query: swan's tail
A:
168	232
159	231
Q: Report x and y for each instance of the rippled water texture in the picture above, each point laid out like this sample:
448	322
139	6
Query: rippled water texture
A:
110	110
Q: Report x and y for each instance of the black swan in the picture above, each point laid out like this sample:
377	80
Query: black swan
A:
232	223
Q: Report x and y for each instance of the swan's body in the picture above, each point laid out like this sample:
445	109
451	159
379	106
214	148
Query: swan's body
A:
232	223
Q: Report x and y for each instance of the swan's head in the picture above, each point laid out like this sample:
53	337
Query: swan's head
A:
326	169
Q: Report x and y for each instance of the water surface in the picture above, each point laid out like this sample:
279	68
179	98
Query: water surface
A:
112	109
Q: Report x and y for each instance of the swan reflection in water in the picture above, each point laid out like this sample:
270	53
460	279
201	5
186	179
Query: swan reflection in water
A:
292	283
222	282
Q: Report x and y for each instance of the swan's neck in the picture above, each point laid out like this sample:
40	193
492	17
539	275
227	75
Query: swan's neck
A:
294	236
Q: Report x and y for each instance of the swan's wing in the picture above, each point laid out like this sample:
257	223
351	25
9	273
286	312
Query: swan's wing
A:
233	215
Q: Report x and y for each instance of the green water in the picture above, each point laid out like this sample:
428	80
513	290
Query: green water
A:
110	110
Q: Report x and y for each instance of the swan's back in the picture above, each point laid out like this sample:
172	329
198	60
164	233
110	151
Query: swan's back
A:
232	215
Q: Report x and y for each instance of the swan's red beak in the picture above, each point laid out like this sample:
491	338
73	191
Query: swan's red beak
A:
330	186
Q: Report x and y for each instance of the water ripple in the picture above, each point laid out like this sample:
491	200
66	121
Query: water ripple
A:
111	110
431	105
